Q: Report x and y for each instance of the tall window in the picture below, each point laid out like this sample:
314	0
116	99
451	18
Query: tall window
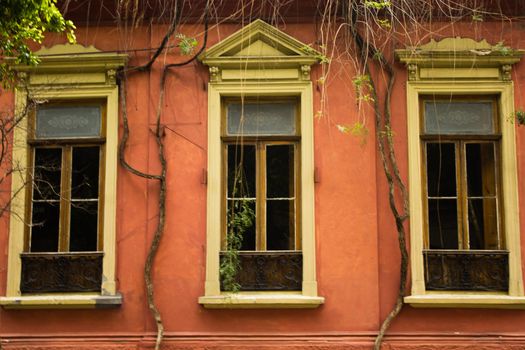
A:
464	245
66	151
261	141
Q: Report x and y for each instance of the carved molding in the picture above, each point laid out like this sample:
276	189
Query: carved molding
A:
214	74
262	49
23	78
455	44
459	58
305	72
66	49
412	71
506	72
111	77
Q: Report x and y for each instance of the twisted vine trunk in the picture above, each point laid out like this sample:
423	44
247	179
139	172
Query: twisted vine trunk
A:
367	53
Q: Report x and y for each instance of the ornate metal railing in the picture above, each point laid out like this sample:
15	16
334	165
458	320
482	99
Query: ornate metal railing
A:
61	272
270	270
474	270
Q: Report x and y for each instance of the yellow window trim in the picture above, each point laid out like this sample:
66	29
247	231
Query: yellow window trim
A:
274	65
476	80
213	295
58	77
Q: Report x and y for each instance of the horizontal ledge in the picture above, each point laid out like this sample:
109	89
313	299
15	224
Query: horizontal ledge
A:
62	301
260	301
473	300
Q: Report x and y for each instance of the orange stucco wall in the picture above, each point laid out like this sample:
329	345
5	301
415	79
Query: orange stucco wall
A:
357	254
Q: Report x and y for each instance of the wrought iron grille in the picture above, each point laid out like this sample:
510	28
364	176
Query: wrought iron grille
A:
267	271
61	272
475	270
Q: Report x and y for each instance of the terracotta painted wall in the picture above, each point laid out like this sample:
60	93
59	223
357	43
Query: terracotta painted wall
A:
357	254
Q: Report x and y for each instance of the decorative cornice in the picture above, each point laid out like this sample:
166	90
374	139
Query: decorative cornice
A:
457	53
259	46
66	58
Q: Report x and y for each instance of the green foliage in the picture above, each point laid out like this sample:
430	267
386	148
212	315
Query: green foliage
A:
186	44
388	132
378	55
311	51
240	219
363	87
24	21
519	116
358	129
501	48
377	5
476	17
384	23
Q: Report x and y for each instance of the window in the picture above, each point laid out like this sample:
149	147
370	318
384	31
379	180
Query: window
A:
261	168
261	142
65	213
464	245
62	246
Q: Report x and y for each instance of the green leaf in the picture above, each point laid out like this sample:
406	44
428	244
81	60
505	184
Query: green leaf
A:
23	22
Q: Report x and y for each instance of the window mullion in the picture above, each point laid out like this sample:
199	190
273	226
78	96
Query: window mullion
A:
461	165
101	186
297	196
65	200
261	197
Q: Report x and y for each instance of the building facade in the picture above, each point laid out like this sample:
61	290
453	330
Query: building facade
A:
275	222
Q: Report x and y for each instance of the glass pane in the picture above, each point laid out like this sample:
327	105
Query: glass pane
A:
445	117
48	167
482	223
241	224
261	119
481	169
241	171
280	224
280	171
441	170
68	121
84	176
45	227
84	226
443	223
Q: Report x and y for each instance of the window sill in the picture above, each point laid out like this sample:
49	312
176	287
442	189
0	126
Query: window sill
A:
62	301
466	300
260	300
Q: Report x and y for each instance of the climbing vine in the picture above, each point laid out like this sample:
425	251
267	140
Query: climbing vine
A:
240	218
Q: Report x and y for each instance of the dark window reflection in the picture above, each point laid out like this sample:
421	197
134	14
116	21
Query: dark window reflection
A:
84	226
443	223
45	226
441	170
280	171
280	224
84	172
47	173
241	171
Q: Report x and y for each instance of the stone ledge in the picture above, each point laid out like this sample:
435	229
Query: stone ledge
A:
464	300
260	300
62	301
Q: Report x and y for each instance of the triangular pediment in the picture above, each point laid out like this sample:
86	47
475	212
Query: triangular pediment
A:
259	44
259	48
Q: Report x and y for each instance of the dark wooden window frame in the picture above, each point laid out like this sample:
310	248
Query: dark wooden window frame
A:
464	268
286	264
64	266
